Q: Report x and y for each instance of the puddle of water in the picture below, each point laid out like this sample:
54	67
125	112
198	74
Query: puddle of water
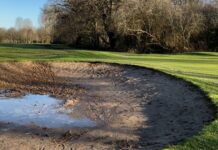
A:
39	110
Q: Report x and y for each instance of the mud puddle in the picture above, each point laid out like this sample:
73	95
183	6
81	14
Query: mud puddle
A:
40	110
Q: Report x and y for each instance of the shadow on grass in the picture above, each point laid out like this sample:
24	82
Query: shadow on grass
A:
201	54
37	46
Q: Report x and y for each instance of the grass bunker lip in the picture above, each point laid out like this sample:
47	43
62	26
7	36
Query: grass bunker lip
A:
134	107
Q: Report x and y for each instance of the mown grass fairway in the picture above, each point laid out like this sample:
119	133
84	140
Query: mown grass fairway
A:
199	68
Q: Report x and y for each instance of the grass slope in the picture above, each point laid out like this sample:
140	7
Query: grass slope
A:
198	68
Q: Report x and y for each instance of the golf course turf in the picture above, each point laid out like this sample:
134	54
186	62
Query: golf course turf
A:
199	68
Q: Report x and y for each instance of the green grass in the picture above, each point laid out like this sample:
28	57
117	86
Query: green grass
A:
199	68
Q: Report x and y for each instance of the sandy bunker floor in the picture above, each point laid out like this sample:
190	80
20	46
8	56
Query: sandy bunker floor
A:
134	108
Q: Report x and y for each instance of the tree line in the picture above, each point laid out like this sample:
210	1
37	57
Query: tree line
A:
134	25
127	25
24	33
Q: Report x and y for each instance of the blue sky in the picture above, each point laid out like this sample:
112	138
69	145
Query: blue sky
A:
11	9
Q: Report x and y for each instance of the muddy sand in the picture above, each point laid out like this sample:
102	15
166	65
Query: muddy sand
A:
133	107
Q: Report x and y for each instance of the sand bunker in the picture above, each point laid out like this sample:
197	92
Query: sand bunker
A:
133	107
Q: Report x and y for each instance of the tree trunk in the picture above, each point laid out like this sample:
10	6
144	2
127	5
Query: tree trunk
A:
112	39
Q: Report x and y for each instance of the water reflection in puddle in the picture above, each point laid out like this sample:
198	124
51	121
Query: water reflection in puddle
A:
40	110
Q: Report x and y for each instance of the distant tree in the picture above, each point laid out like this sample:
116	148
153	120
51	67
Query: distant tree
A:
21	23
43	35
12	35
2	34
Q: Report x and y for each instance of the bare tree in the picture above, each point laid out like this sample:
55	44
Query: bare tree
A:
12	35
2	34
168	25
43	35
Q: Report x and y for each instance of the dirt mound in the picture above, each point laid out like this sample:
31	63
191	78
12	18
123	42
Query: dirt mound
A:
135	108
